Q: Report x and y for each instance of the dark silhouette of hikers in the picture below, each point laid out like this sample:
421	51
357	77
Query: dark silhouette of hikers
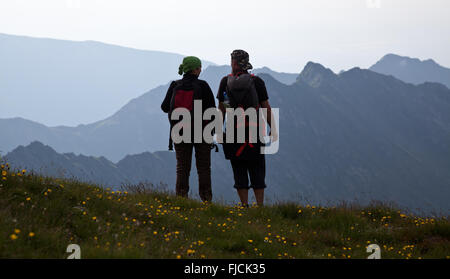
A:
240	89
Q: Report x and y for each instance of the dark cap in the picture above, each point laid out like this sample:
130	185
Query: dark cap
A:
242	58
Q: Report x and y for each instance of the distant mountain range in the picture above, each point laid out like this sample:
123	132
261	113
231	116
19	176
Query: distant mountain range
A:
138	126
412	70
357	135
58	82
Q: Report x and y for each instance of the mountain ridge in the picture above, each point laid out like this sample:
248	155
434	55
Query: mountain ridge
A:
314	74
89	42
138	117
61	76
412	70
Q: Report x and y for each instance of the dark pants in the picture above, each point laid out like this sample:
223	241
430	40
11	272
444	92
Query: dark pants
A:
255	168
203	163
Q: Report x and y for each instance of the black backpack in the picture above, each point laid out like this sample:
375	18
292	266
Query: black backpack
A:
242	93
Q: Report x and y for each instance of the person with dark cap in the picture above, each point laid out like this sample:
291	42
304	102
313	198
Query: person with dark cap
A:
246	159
181	94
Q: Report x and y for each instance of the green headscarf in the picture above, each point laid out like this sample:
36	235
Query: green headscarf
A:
189	63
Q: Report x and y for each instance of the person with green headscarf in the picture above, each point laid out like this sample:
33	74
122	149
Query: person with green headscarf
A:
181	94
190	64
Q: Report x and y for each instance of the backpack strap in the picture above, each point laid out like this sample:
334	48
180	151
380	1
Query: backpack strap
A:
176	84
234	103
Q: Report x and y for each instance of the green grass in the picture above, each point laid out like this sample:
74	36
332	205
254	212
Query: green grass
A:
151	224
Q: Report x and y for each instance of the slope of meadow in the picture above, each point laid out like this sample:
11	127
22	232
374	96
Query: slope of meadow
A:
41	216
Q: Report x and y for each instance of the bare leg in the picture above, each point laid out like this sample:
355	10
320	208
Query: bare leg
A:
259	196
243	195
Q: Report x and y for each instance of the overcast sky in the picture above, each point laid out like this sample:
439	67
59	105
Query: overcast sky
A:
281	34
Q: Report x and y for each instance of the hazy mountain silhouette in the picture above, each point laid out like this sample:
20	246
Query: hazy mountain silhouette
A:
316	75
157	167
412	70
57	82
48	81
363	134
286	78
138	126
358	134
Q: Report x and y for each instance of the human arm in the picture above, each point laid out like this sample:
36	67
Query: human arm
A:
165	106
220	97
265	104
270	117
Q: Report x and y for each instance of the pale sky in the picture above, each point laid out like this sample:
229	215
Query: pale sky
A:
283	35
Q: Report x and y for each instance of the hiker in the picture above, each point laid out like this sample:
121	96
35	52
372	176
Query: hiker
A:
246	159
182	93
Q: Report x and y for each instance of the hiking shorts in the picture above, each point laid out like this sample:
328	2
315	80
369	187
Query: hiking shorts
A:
255	168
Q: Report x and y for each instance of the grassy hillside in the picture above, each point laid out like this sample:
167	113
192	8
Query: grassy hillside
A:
41	216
